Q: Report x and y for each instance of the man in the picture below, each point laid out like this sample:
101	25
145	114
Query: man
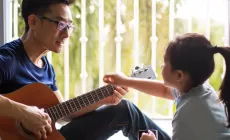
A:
23	61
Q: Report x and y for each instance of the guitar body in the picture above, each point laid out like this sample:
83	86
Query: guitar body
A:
35	94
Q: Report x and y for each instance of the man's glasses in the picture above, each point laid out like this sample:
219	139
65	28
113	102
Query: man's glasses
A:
61	26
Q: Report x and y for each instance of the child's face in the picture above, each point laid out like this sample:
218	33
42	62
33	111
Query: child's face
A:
173	78
167	73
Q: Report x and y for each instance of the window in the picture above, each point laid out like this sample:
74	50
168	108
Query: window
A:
118	35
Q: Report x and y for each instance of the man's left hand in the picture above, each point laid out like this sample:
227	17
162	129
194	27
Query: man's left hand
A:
117	96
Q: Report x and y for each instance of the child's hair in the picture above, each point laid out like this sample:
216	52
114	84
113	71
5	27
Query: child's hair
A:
194	54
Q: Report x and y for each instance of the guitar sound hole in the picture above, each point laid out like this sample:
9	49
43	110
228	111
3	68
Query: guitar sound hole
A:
24	132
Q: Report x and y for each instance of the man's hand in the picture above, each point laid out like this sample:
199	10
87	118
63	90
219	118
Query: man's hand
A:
34	120
114	99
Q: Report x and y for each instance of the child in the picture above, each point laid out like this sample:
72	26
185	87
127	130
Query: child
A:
188	63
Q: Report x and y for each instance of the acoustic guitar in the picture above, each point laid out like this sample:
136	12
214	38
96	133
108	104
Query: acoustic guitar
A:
40	95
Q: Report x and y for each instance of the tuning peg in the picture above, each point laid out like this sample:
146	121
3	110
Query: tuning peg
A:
142	65
146	69
137	67
132	71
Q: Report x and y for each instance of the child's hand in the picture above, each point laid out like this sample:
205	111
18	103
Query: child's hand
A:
148	136
117	79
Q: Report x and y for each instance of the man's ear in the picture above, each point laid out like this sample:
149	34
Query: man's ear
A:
33	21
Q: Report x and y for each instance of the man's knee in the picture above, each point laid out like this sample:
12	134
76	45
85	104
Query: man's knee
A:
124	104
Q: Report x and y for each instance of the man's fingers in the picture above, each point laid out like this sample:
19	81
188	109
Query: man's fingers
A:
121	90
38	134
43	132
126	89
117	94
48	129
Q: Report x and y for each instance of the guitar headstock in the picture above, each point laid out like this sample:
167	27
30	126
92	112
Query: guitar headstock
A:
143	72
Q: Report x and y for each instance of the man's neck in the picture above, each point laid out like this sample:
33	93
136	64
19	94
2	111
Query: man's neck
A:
34	50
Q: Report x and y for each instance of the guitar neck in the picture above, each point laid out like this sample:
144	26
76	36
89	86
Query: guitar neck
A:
66	108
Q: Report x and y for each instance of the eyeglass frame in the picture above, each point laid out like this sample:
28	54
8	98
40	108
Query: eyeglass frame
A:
66	27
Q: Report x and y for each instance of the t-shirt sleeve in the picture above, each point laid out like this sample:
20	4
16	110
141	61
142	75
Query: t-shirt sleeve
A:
7	65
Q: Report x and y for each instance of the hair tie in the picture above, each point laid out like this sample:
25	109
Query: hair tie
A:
215	49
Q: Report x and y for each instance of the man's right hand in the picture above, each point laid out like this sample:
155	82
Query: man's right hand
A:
35	120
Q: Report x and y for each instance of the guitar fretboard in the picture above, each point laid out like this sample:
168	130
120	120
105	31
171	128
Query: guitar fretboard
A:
66	108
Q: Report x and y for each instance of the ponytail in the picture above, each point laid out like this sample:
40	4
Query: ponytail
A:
225	85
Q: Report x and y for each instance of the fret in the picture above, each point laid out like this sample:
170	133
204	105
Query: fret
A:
75	105
54	113
78	104
97	94
59	115
111	88
95	98
64	111
58	106
73	109
67	108
85	99
81	102
89	97
86	96
91	93
50	114
102	92
107	90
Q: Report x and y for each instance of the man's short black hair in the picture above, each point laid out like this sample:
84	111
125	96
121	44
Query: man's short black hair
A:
38	7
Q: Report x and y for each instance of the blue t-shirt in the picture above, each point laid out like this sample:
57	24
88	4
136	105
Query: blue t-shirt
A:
17	70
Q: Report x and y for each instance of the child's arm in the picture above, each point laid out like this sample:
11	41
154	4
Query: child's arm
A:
151	87
148	136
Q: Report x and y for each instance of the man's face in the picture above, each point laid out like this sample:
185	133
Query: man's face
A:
48	34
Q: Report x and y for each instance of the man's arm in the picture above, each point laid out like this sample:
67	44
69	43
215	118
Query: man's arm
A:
32	118
6	107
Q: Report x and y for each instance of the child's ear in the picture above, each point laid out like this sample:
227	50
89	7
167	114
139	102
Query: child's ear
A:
180	75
